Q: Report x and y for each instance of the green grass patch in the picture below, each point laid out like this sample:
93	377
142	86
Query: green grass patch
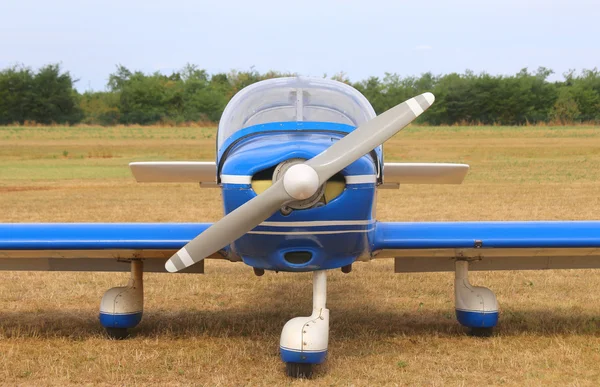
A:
497	154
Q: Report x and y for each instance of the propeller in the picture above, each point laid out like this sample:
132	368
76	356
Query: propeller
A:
300	181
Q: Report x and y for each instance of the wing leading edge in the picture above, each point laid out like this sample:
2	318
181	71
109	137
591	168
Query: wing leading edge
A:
434	246
203	172
395	174
416	247
93	246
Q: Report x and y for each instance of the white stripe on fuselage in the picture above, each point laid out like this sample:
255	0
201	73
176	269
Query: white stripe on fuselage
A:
236	179
319	223
361	179
309	232
247	179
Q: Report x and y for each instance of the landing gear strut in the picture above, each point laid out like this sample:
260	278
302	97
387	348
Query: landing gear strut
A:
476	306
121	308
304	340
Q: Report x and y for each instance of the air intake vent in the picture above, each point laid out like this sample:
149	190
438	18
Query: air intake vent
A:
298	257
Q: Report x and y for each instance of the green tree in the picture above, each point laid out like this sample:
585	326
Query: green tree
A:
100	108
55	99
585	90
147	99
565	109
45	96
192	94
16	94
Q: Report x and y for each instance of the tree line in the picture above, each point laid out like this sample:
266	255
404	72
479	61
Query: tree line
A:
48	96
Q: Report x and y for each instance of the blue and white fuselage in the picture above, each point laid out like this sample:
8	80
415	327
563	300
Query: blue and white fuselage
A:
273	123
327	236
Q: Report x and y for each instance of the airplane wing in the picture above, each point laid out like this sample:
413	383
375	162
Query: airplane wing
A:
94	246
204	172
395	174
434	246
416	247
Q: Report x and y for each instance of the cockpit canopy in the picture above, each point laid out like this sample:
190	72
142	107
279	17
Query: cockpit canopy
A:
294	99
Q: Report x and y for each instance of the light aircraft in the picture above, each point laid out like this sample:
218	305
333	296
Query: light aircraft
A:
299	162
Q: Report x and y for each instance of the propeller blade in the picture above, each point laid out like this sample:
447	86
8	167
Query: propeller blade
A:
300	181
368	136
231	227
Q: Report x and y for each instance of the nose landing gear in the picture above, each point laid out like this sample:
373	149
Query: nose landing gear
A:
304	340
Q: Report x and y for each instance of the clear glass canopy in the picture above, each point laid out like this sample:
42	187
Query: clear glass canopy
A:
294	99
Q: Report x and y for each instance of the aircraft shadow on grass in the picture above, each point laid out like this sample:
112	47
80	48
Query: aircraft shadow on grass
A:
372	322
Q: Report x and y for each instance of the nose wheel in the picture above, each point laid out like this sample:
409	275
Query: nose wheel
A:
299	370
481	332
117	333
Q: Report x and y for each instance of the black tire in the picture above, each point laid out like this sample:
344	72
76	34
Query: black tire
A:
117	333
481	332
299	370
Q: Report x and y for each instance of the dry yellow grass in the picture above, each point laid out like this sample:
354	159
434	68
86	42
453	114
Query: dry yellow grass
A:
223	328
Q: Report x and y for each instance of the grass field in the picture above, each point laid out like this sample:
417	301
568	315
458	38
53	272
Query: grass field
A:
223	328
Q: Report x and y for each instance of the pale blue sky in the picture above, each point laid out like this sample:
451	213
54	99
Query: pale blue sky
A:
361	38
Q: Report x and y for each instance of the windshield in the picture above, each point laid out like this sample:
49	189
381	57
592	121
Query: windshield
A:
294	99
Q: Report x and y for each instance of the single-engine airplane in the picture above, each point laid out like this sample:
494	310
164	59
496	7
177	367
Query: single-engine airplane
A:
299	162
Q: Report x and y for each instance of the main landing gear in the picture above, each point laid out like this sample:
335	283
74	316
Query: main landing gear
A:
476	306
304	339
121	308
